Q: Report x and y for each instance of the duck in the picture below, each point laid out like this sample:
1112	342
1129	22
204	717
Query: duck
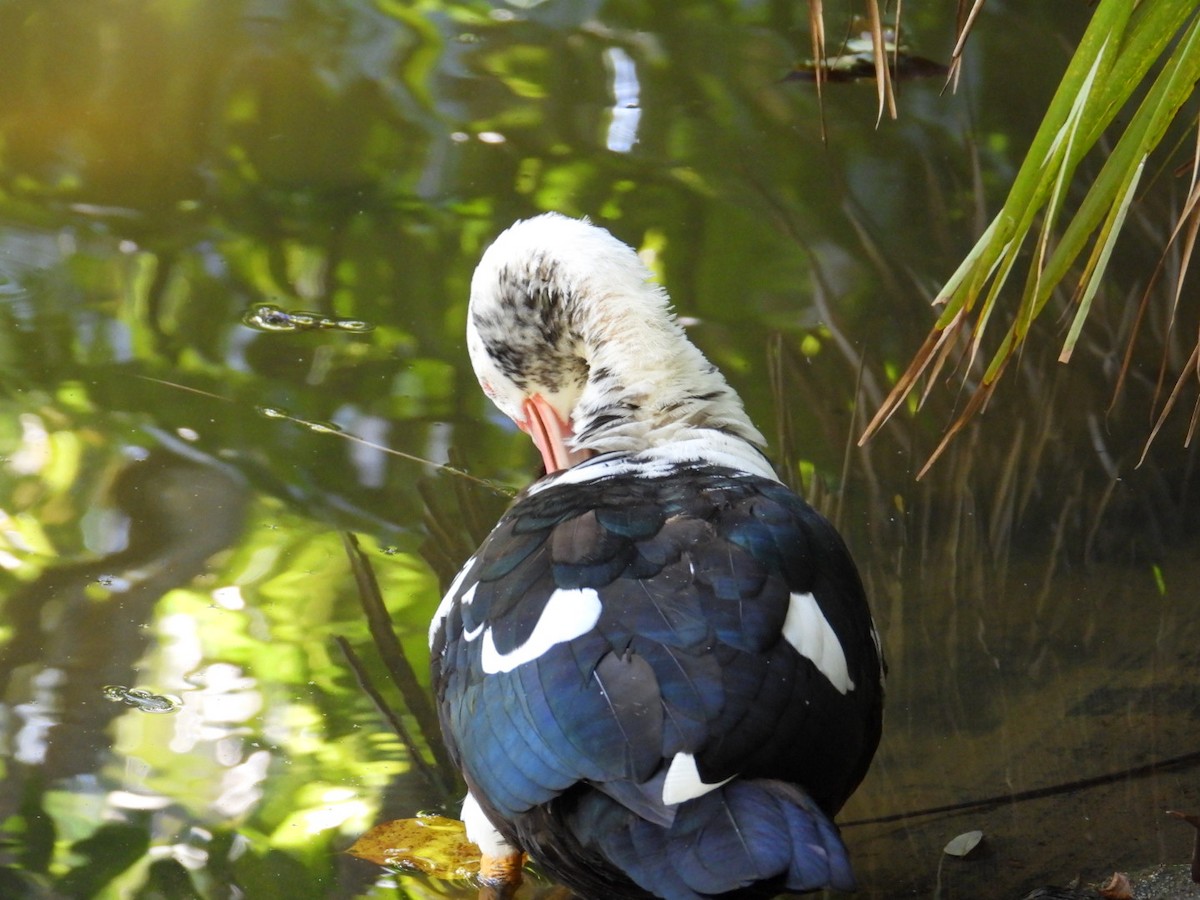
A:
658	675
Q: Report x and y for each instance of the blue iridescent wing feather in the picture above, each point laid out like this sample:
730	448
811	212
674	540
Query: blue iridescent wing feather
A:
693	572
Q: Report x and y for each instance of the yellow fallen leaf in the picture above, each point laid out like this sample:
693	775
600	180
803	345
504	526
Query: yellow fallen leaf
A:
431	844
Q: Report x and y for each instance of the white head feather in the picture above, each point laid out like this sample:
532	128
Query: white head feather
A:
562	308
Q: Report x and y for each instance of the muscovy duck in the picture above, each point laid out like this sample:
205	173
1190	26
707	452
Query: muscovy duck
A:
658	674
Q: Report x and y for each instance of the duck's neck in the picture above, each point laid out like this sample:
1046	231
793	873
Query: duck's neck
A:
648	386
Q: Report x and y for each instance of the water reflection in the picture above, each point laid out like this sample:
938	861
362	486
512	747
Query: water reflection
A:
351	160
622	131
79	626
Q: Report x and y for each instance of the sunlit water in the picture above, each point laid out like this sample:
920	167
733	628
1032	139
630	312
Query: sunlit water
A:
235	244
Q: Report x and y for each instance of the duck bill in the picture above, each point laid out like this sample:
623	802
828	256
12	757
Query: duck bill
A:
549	433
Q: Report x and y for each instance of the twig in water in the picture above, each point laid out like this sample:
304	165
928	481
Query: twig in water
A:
392	653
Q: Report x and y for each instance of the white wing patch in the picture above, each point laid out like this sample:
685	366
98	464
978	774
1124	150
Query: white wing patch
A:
807	629
469	634
568	614
481	832
443	609
683	780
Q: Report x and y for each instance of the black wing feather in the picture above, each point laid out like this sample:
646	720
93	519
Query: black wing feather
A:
694	573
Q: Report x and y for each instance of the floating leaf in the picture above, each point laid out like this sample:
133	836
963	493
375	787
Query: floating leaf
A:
963	844
434	845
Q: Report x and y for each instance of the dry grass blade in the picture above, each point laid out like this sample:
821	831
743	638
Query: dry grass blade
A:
883	75
978	400
1192	425
965	22
930	351
1191	369
816	27
1189	216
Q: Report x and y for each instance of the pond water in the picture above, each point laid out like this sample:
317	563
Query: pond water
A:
183	634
